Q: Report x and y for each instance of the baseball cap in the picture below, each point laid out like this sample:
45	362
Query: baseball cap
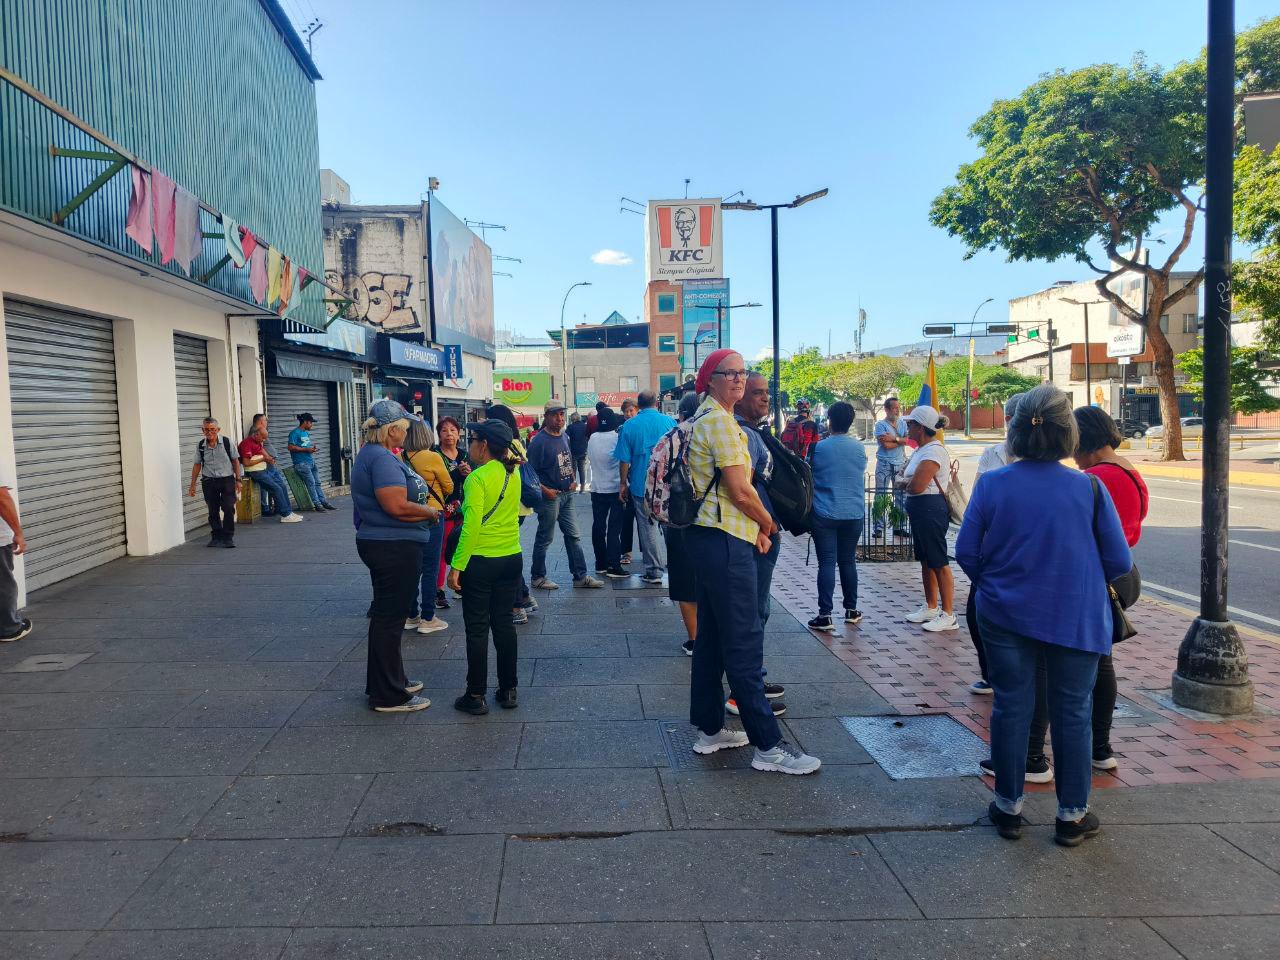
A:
925	415
551	406
304	417
389	411
802	404
492	431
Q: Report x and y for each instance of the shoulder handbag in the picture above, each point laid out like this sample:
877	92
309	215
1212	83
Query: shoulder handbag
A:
955	496
1125	587
451	542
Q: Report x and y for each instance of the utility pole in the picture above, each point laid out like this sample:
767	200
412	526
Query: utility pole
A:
775	382
1213	665
1051	351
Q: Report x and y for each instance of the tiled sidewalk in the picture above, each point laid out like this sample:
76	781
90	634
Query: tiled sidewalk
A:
918	672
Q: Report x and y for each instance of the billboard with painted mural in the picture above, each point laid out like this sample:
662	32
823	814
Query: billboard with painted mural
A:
461	283
521	388
700	299
684	239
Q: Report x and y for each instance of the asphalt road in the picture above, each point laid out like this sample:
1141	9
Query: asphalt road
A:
1168	555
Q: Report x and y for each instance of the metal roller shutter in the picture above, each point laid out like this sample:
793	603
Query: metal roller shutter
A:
66	433
191	364
288	398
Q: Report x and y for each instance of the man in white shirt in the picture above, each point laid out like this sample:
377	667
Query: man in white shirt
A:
12	544
607	511
891	458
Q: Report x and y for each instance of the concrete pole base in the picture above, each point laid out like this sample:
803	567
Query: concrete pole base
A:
1213	670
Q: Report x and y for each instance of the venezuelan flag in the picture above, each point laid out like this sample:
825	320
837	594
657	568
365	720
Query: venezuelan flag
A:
929	389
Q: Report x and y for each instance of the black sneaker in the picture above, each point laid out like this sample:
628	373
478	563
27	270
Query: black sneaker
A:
1072	833
615	573
328	506
506	699
852	616
214	541
1008	825
1038	769
441	602
472	705
777	706
687	647
774	691
228	543
24	627
822	623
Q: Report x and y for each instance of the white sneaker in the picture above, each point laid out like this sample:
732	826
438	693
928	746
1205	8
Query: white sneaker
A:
542	583
589	582
292	518
924	614
942	623
412	705
726	739
412	623
785	758
432	626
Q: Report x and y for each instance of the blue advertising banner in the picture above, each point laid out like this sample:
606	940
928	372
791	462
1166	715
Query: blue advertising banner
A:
700	299
405	353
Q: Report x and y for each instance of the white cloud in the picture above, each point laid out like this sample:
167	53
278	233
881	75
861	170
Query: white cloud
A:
611	258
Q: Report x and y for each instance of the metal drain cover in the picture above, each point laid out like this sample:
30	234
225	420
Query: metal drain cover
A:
48	662
908	748
678	738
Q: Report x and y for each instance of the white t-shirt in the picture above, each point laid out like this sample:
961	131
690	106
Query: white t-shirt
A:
604	465
6	531
935	451
994	457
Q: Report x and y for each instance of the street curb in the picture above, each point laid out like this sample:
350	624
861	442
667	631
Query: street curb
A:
1245	478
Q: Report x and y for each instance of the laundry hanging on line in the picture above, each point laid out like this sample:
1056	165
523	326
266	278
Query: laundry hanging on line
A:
235	247
248	241
258	274
188	240
275	264
287	282
138	222
163	198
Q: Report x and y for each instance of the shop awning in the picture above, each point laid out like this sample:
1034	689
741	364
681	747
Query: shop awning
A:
295	367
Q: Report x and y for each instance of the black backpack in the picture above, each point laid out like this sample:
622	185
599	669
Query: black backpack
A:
791	487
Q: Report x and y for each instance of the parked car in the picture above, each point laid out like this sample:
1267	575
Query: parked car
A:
1134	429
1191	427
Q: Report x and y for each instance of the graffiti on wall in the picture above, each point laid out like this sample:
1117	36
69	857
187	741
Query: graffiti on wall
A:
378	299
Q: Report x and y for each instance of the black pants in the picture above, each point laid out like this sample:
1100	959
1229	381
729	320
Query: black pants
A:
489	587
220	498
580	468
628	524
522	588
395	568
1104	706
606	529
975	633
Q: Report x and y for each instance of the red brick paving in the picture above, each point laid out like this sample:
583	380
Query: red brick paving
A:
918	672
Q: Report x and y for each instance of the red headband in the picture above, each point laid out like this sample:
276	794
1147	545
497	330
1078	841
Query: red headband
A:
709	367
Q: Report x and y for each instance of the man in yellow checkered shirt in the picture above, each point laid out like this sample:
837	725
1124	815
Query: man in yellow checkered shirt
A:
731	526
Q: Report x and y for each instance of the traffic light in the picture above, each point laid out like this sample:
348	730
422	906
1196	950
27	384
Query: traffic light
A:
940	330
1034	333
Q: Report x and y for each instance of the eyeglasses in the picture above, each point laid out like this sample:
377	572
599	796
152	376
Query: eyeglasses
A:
734	375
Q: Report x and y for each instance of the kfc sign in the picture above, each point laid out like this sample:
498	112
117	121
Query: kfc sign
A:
684	239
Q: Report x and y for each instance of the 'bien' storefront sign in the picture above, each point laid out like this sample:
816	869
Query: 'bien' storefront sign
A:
520	388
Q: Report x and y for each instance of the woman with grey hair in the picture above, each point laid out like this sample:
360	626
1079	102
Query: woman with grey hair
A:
1041	580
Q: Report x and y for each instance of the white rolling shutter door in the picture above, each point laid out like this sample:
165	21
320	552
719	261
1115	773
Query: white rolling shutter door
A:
288	398
191	364
66	433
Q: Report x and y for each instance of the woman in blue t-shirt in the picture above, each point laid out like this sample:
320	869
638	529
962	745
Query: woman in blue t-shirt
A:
839	509
392	514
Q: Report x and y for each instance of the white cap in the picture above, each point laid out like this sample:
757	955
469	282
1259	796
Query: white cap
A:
925	415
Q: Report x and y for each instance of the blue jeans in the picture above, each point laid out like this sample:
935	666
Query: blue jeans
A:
730	640
765	562
651	541
426	606
835	542
1011	665
274	491
885	474
310	477
550	513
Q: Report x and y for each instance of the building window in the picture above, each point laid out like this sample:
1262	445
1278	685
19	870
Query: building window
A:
666	303
666	344
629	384
1189	324
586	384
666	381
1164	323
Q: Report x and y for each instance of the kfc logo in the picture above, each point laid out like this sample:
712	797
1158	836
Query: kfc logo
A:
684	239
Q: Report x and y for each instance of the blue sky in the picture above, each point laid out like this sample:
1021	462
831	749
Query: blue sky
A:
541	114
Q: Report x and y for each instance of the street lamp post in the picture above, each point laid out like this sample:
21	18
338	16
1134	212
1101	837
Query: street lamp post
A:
1213	665
773	208
1088	374
968	380
564	343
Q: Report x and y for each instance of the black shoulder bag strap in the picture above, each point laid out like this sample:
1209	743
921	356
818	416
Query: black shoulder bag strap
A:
501	493
404	457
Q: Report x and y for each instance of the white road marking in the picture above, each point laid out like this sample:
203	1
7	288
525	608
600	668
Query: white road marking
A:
1243	488
1194	599
1231	506
1260	546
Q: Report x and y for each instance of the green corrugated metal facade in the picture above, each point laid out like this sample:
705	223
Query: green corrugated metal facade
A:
208	92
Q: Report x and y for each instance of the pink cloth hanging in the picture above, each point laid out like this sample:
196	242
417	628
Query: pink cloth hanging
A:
249	241
304	277
186	229
163	198
137	225
258	274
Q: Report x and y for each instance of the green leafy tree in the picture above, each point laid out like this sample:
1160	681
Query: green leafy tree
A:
864	381
1248	381
803	374
1256	282
1091	159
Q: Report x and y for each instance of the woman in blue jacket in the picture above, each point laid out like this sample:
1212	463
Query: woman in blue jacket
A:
1040	542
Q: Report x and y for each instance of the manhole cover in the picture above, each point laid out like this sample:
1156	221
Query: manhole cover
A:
907	748
48	662
678	738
